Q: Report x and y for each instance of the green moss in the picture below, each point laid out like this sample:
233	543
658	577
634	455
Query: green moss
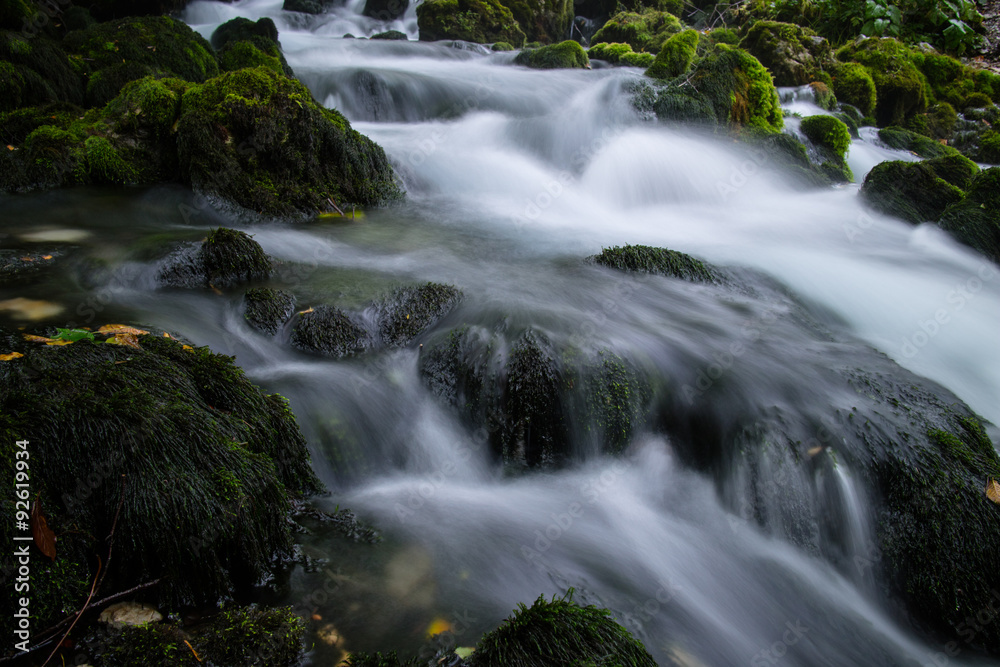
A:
794	55
902	90
36	72
559	632
267	309
955	169
146	105
656	260
242	29
544	21
568	54
238	55
329	331
256	636
502	46
908	190
828	132
989	147
148	427
976	101
739	89
408	311
975	221
617	400
854	85
903	139
16	14
645	31
106	165
230	256
105	84
676	56
152	644
620	54
480	21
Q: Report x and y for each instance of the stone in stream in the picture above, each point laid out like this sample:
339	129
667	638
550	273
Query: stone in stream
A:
975	220
565	55
832	139
267	309
794	55
329	331
908	190
480	21
385	10
227	257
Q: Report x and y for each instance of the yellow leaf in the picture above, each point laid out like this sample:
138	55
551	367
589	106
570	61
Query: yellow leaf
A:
306	311
120	329
437	626
187	347
127	339
36	339
993	491
12	355
46	256
58	342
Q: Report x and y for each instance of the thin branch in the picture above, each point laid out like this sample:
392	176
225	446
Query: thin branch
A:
93	588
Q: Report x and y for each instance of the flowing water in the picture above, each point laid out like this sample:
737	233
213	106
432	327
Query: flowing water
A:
512	177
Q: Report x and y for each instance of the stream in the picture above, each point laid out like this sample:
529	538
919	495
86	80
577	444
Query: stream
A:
512	177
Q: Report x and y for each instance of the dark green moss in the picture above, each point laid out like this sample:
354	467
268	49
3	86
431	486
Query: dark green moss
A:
656	260
149	428
617	400
267	309
903	139
568	54
794	55
37	71
937	123
255	636
480	21
643	31
329	331
739	89
502	46
242	29
955	169
908	190
559	632
676	56
902	90
106	164
409	311
152	644
394	35
975	221
544	21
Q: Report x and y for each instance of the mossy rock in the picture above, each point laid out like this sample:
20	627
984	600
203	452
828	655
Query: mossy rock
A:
502	46
136	47
307	6
37	71
643	31
244	43
659	261
620	55
565	55
902	90
739	89
392	35
226	257
908	190
956	169
853	85
674	104
242	29
790	156
331	332
480	21
257	139
267	309
108	10
172	445
989	147
676	56
545	21
794	55
560	632
907	140
975	221
409	311
832	139
16	14
938	122
385	10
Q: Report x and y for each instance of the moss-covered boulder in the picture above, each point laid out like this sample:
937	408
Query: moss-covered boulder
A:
480	21
620	54
739	89
975	220
117	52
565	55
267	309
409	311
938	122
560	632
902	90
794	55
852	84
908	190
643	31
385	10
545	21
307	6
907	140
331	332
37	70
956	169
244	43
172	446
832	139
391	35
659	261
676	56
227	257
257	139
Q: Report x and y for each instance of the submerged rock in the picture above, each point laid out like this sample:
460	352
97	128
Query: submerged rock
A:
409	311
227	257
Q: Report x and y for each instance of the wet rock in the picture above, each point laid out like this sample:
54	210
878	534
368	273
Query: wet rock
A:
480	21
908	190
227	257
794	55
21	266
659	261
645	30
391	35
409	311
307	6
121	614
565	55
832	139
975	220
330	331
267	309
385	10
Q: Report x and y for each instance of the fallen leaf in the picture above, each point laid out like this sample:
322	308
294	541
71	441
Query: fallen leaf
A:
27	259
127	339
215	289
31	309
46	256
437	626
192	650
306	311
45	539
58	342
187	347
10	148
993	491
12	355
120	329
35	339
464	652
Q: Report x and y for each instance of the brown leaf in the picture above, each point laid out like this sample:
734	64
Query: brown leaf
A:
128	339
36	339
120	329
45	539
12	355
306	311
993	491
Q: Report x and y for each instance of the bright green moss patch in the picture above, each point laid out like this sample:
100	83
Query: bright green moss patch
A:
620	54
955	169
739	89
902	90
480	21
829	132
568	54
676	56
643	31
106	164
903	139
854	85
794	55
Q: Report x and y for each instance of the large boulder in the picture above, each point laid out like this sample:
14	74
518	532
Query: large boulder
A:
385	10
544	21
832	139
794	55
975	220
908	190
643	31
902	90
242	43
480	21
